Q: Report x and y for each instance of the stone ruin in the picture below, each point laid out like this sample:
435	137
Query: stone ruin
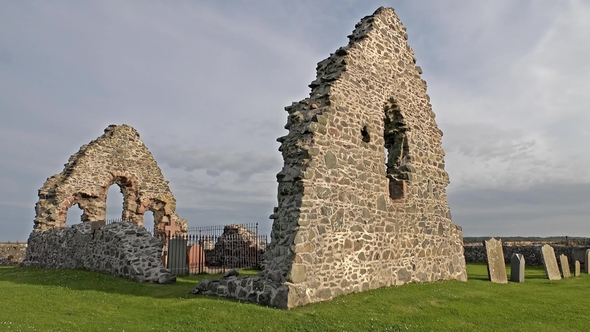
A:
234	247
362	193
117	157
120	249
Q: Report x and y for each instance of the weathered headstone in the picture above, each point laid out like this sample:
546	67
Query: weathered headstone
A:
517	268
577	269
177	263
196	259
550	262
495	259
587	262
565	266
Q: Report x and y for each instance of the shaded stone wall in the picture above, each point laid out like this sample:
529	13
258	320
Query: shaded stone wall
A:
236	247
531	253
352	216
13	250
117	157
121	249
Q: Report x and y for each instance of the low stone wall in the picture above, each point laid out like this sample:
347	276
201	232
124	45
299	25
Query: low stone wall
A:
250	288
121	249
236	247
12	252
531	253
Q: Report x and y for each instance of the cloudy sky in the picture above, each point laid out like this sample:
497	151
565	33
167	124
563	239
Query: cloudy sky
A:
205	83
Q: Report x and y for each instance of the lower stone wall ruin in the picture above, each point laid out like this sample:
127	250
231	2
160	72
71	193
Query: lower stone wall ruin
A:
120	249
531	253
256	289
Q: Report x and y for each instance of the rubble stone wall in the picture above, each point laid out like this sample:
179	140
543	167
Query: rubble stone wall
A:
352	216
531	253
13	250
236	247
117	157
121	249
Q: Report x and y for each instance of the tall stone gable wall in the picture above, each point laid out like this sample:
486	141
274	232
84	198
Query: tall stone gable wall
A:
117	157
352	217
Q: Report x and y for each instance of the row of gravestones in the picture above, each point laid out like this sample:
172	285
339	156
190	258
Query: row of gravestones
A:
497	268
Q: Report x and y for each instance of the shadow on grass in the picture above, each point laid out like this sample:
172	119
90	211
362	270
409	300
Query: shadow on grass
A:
84	280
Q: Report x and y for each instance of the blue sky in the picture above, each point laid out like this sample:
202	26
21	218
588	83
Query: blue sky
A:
205	83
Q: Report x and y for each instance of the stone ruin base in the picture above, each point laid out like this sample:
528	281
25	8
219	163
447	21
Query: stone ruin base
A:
121	249
255	289
263	289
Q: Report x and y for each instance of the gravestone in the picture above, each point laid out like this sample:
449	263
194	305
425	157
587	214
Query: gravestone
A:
577	269
517	268
587	262
196	259
550	262
495	259
565	266
177	263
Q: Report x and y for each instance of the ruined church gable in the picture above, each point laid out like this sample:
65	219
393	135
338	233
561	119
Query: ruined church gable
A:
362	193
118	157
361	196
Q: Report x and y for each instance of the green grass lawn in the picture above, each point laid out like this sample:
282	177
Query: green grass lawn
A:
75	300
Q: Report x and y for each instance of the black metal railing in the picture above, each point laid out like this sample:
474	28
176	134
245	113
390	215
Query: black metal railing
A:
212	249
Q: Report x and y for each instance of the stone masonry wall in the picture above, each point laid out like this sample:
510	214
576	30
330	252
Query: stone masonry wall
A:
531	253
14	250
120	249
117	157
352	216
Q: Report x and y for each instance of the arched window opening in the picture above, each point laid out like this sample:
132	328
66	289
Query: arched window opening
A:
149	221
114	203
74	215
397	151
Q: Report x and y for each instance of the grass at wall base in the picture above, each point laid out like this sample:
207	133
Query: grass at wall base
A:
75	300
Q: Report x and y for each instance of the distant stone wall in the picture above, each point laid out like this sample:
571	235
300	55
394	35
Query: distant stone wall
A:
236	246
121	249
531	253
13	252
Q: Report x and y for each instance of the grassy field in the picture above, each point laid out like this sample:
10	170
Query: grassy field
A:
75	300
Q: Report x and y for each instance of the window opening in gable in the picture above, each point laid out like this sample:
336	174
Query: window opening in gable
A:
397	152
